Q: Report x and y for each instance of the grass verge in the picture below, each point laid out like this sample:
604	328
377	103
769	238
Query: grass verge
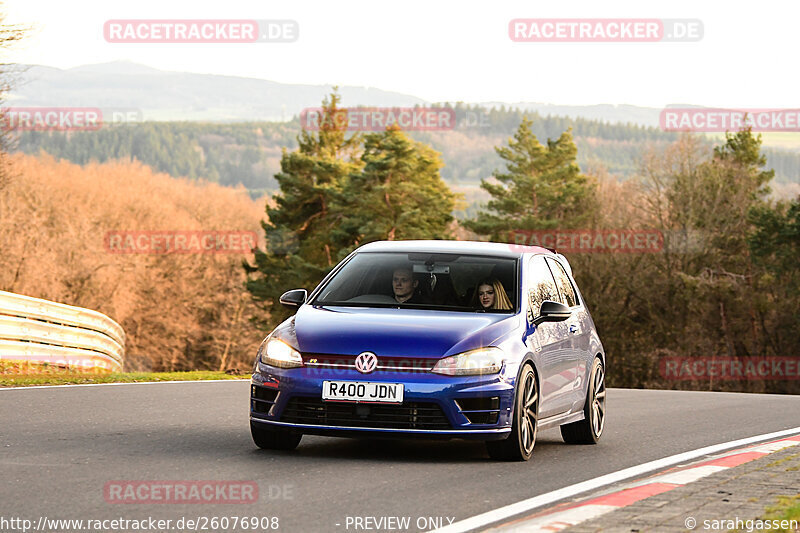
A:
787	509
54	376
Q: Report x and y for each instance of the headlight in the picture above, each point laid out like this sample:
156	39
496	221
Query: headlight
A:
277	353
471	363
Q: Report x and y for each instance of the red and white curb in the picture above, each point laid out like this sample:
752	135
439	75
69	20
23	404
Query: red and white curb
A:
571	514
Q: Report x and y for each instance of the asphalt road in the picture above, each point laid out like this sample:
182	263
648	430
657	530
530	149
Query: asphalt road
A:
60	446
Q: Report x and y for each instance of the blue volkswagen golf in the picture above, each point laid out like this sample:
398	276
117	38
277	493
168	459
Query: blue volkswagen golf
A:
445	339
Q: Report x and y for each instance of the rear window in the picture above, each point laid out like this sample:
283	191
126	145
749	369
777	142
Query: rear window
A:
458	282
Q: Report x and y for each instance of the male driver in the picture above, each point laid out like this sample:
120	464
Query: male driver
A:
404	286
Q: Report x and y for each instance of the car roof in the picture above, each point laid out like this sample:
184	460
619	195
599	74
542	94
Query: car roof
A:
444	246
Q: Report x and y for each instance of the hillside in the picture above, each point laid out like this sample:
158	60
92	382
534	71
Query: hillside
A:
169	95
165	95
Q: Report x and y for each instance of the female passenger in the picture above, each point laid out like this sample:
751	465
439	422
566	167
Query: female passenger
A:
490	294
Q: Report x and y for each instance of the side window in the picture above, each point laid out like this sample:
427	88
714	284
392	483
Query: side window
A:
541	286
565	287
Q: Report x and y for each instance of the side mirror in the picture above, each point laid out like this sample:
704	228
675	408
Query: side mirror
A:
294	298
552	312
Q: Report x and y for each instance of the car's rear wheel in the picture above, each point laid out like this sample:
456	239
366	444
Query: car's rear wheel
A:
274	439
519	444
589	430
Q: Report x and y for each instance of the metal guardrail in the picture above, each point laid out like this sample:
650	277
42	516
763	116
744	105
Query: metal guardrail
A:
35	330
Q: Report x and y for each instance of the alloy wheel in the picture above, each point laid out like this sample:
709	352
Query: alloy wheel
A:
528	414
599	402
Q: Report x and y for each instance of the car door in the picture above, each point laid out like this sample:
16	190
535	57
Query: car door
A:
577	330
549	342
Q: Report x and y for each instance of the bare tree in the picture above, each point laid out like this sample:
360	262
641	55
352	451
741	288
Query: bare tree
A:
9	35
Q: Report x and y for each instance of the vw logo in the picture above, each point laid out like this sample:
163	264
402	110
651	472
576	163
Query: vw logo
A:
366	362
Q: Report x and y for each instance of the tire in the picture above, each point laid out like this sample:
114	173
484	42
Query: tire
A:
589	430
518	446
274	439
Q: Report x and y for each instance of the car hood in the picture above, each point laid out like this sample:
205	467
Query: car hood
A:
395	332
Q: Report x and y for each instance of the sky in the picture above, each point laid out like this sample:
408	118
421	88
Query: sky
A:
444	50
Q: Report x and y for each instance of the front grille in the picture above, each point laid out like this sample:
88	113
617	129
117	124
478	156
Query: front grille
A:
385	364
410	415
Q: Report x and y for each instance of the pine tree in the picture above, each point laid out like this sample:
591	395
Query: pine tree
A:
299	249
716	198
541	188
715	279
399	194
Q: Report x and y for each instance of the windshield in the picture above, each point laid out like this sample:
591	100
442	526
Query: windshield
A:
458	282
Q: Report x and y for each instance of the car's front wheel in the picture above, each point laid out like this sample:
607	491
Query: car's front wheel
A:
588	430
274	439
519	444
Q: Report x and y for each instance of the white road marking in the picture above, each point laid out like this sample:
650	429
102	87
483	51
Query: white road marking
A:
501	513
560	520
774	446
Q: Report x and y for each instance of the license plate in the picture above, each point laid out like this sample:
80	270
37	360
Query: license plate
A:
362	391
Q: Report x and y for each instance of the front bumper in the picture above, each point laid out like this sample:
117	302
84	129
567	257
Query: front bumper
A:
469	407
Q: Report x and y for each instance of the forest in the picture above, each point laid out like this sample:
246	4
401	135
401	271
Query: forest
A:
249	153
